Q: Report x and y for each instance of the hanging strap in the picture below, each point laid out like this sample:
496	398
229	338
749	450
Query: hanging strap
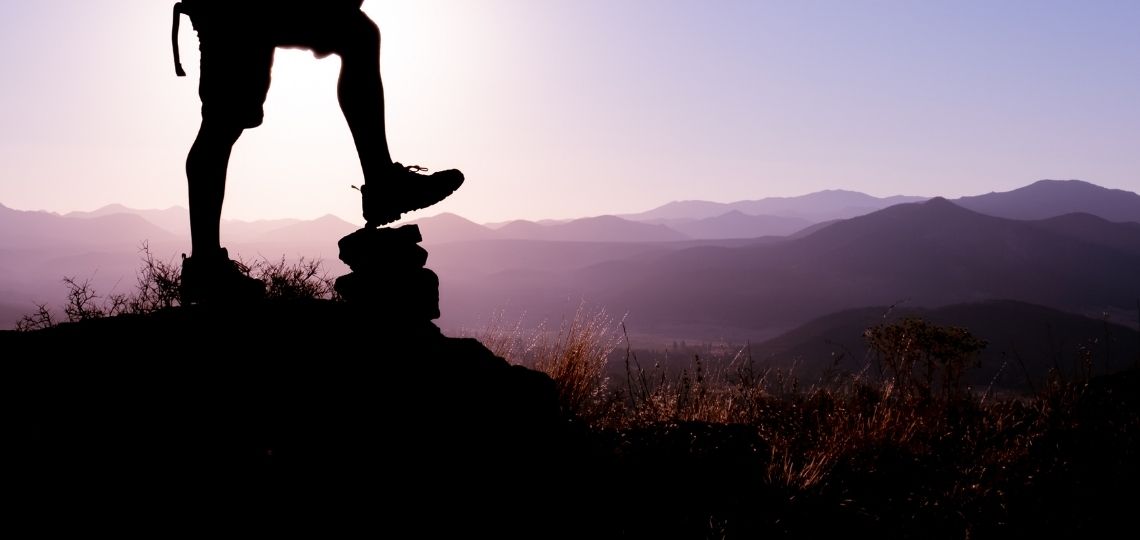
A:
178	11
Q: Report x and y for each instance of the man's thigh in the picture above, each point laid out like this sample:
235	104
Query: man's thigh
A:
323	30
237	56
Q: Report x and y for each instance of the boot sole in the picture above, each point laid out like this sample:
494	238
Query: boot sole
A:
393	215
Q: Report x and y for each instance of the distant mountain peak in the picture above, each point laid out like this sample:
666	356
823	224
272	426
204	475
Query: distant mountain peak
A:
817	206
1050	198
113	207
605	218
1071	181
942	203
447	217
330	218
937	210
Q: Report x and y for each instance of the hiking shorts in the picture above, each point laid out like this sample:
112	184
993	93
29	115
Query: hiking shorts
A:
237	46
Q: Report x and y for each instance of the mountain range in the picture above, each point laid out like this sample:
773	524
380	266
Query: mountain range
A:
746	271
1050	198
784	216
927	254
675	221
813	207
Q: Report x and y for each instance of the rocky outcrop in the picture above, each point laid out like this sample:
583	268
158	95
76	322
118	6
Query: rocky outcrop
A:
278	417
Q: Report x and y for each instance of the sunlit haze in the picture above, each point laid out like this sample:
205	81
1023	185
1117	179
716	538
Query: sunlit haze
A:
568	108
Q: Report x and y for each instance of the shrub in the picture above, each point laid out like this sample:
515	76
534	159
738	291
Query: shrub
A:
158	284
917	356
304	279
158	287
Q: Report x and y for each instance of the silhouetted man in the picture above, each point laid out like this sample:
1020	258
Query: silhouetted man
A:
237	41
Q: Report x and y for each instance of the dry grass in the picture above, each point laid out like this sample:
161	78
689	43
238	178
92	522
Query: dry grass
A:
814	433
575	355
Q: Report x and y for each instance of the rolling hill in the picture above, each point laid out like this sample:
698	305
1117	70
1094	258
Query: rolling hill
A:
1024	341
174	220
446	228
737	224
593	229
1094	230
813	207
1052	198
37	230
931	254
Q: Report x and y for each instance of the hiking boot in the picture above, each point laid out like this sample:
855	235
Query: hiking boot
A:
406	189
214	278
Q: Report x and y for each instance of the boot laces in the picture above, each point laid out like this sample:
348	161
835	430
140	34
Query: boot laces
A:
413	168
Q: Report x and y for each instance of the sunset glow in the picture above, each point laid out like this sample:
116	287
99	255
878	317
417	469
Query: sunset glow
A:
573	108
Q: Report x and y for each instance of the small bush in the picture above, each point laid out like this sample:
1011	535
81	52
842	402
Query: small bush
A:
38	320
158	287
158	284
304	279
918	356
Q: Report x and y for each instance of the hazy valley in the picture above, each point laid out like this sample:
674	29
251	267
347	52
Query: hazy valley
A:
1056	263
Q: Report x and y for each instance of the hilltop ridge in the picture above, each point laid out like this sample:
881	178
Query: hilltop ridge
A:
277	416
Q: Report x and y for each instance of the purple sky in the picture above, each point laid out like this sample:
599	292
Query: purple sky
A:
566	108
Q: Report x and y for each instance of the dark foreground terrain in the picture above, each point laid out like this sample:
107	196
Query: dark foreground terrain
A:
288	418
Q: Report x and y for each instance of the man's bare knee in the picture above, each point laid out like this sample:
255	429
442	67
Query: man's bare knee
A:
219	133
361	38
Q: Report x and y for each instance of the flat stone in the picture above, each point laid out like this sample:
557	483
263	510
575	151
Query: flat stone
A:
383	247
391	258
414	292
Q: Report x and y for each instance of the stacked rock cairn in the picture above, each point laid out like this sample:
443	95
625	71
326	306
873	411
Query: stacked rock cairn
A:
388	273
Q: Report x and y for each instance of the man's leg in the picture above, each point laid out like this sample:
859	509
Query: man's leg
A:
361	94
206	167
209	275
389	189
237	55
